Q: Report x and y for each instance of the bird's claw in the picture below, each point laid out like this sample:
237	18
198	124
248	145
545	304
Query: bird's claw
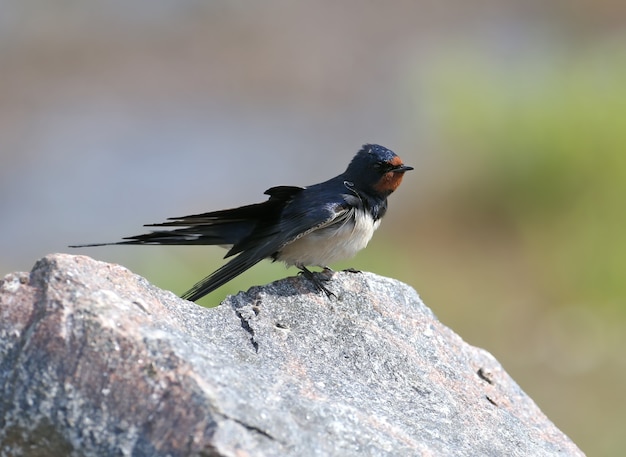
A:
318	279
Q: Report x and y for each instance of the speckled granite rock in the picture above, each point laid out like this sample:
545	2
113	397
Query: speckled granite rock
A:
95	361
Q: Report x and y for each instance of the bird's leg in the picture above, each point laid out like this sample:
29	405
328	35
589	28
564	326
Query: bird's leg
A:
352	270
328	273
317	282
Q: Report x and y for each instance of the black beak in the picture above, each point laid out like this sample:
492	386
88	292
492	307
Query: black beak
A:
402	169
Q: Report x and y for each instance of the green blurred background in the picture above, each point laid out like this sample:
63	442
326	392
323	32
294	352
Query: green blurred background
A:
115	114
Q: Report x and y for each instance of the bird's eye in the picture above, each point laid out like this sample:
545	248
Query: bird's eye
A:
382	167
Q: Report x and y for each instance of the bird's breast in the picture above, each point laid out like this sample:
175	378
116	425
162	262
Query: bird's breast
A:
338	241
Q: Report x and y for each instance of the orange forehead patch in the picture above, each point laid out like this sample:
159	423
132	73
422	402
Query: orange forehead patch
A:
396	161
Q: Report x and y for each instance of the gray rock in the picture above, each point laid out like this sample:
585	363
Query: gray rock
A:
95	361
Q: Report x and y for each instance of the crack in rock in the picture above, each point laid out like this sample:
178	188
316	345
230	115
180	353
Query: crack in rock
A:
252	428
246	326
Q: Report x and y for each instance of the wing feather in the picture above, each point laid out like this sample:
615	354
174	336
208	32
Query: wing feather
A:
265	241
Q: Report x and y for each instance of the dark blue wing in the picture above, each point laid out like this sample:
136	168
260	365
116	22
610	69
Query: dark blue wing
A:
224	227
304	214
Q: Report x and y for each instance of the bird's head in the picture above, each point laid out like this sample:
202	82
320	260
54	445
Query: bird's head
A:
375	169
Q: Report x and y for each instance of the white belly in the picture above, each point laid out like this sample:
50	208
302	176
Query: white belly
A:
331	244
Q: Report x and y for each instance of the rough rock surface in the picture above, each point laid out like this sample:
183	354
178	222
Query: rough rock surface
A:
95	361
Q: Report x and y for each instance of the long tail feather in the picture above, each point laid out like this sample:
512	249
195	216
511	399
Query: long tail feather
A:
222	275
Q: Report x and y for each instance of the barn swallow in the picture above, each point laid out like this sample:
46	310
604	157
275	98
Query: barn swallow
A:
302	226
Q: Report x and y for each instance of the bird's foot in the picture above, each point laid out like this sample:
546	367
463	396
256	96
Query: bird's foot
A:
352	270
317	280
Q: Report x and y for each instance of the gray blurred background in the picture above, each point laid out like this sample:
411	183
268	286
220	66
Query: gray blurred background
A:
119	113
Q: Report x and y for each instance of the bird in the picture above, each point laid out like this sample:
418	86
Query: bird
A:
315	225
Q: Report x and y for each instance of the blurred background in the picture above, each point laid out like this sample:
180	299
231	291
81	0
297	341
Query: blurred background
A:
119	113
